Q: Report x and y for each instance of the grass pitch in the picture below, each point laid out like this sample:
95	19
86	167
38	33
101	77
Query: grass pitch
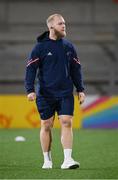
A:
96	150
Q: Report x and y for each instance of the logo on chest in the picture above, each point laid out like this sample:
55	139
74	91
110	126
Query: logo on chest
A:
69	53
49	54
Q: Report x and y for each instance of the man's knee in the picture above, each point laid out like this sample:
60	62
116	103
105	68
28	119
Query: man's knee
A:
66	121
47	124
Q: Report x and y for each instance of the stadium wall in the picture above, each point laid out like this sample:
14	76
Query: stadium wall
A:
96	112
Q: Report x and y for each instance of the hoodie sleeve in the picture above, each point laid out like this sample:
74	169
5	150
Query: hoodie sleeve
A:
76	73
31	69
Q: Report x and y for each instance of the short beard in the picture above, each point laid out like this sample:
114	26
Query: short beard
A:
58	34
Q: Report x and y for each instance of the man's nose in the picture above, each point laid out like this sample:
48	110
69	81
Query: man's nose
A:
64	25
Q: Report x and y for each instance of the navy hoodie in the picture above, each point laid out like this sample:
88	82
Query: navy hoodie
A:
56	66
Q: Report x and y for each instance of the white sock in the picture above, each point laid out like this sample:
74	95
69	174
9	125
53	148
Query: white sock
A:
46	156
67	153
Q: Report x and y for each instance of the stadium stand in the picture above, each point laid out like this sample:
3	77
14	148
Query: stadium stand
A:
91	25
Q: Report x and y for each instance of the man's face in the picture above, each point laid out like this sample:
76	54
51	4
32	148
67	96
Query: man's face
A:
59	26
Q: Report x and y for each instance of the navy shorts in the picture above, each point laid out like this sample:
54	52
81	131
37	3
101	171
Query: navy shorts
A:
48	106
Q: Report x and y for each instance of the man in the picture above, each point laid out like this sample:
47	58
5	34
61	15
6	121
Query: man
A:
58	68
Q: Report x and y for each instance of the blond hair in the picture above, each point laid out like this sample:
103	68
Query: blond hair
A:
51	18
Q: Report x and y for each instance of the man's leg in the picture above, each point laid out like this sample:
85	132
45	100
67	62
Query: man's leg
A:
67	142
46	140
66	131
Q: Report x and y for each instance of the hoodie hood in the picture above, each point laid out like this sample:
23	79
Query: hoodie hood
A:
43	37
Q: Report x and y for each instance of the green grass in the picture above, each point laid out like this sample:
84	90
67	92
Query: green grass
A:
96	150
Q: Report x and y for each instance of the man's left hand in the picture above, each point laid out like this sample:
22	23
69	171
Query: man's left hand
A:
81	97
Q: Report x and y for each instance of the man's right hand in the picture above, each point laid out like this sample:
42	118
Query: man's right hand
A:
31	96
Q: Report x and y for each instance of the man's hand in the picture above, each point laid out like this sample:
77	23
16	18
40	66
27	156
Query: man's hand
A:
31	96
81	97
